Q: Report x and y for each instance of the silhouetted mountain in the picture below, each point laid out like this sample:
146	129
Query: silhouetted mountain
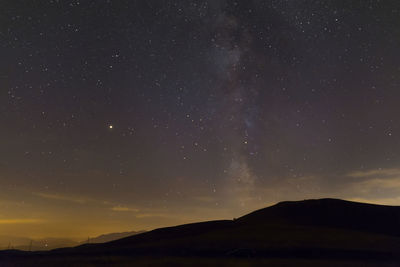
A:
112	236
331	213
301	233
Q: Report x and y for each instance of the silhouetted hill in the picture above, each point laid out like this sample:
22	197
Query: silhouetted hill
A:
331	213
300	233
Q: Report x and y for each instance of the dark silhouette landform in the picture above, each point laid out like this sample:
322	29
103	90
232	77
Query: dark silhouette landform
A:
112	236
29	244
324	232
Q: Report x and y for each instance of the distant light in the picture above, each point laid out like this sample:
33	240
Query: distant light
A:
110	126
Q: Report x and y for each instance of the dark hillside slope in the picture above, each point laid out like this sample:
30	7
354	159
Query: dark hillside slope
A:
327	212
326	229
312	225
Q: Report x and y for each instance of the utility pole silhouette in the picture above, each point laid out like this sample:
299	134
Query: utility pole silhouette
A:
30	246
9	245
88	240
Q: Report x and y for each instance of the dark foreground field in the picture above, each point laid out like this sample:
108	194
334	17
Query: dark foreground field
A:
326	232
191	261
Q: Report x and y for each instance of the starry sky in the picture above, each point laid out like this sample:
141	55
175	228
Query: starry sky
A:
124	115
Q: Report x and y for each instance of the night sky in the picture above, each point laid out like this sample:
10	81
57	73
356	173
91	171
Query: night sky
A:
126	115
